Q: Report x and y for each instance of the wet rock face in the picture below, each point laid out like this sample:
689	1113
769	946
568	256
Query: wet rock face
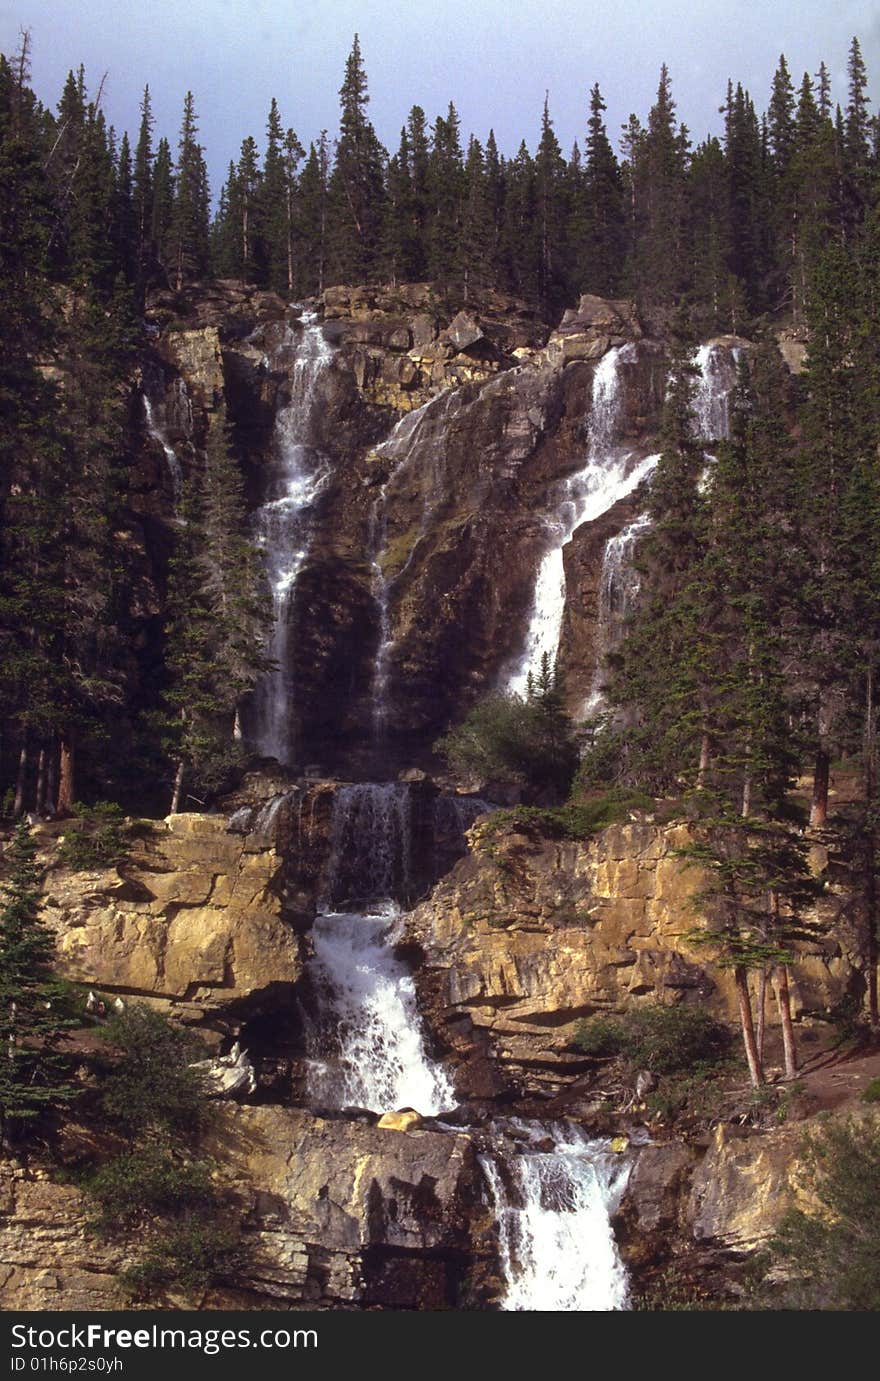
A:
448	538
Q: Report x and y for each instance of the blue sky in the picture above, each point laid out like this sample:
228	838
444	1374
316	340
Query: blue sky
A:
493	58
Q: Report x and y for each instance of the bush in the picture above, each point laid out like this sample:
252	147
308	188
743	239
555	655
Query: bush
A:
833	1256
871	1092
97	838
575	819
188	1256
159	1185
664	1040
150	1087
146	1181
526	740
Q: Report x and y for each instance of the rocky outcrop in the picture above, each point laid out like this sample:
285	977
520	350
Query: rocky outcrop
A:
333	1214
529	934
192	918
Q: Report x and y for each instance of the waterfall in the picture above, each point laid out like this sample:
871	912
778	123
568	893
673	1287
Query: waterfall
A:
365	1040
413	442
711	405
608	476
283	527
553	1209
155	417
618	587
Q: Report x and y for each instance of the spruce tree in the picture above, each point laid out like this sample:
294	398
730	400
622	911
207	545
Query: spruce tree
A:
189	214
604	246
356	188
32	1020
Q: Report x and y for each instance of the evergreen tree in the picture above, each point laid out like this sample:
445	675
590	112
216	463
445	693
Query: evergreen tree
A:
356	185
142	194
32	1021
604	246
446	191
188	230
163	206
550	186
218	616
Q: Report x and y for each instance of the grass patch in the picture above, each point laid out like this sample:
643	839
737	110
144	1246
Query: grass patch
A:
97	837
574	820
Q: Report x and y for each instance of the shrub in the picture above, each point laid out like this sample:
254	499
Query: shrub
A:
188	1256
575	819
833	1256
528	740
599	1036
871	1092
664	1040
96	839
150	1087
143	1181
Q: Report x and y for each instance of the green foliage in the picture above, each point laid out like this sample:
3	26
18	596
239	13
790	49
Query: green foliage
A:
150	1088
832	1257
574	819
146	1180
871	1092
97	839
34	1075
159	1188
528	740
187	1256
664	1040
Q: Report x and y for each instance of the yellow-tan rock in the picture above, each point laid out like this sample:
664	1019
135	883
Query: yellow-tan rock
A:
192	916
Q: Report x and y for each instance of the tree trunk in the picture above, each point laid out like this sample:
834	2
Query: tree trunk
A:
40	804
783	1001
52	787
756	1069
870	852
819	804
21	776
705	748
762	1012
66	792
178	786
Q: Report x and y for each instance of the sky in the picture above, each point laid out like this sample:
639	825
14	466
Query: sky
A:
494	58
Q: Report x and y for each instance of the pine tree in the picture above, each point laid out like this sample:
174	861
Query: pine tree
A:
163	208
550	186
32	1071
446	192
189	216
218	616
356	185
142	194
604	247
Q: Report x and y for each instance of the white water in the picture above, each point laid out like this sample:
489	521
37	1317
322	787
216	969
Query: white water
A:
283	528
366	1043
157	431
557	1248
608	476
371	1018
618	587
413	440
717	366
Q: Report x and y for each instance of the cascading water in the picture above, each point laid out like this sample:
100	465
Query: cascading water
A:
413	441
608	476
365	1043
618	587
283	527
156	410
553	1208
711	403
